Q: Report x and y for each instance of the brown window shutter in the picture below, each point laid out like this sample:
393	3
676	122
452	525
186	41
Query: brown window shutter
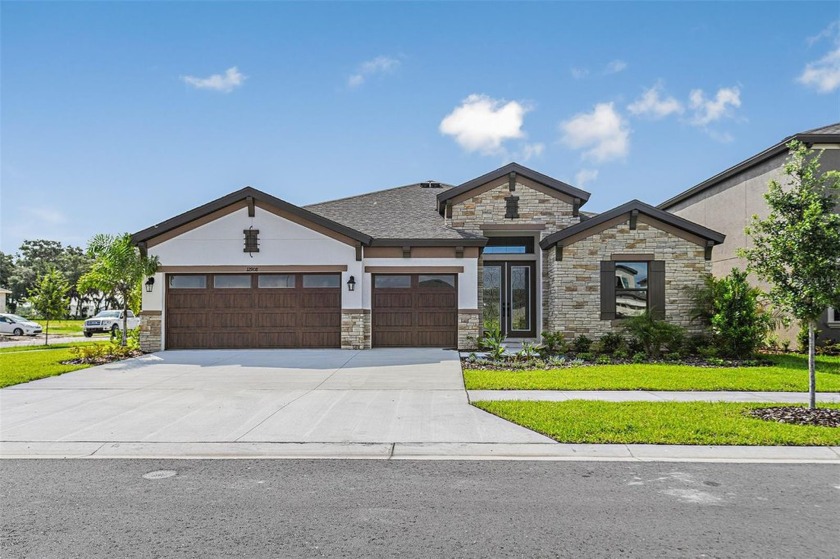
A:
656	289
607	290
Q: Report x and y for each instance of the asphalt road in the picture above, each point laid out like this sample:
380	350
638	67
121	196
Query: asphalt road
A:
276	508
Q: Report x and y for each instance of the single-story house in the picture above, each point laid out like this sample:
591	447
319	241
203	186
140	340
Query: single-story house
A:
3	294
427	264
727	201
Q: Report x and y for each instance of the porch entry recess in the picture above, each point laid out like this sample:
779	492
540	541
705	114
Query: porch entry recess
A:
509	297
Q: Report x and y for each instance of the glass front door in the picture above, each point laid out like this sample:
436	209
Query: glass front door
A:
508	301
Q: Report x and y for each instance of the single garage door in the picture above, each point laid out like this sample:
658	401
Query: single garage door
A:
218	311
415	310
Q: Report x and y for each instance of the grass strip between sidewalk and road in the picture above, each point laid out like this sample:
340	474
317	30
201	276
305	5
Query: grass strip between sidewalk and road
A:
688	423
789	373
25	363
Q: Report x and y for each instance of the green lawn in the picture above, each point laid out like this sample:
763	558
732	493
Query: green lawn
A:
22	364
700	423
789	373
64	327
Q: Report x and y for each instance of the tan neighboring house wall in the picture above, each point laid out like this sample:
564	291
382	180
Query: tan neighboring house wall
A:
728	207
575	299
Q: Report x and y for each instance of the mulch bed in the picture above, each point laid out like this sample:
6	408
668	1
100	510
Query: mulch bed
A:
103	360
539	364
796	415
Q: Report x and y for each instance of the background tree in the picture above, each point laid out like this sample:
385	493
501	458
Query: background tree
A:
118	268
7	270
796	249
49	298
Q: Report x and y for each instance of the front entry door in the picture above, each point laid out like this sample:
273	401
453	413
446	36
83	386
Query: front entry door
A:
509	298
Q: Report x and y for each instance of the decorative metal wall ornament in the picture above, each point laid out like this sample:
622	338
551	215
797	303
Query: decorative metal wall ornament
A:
252	243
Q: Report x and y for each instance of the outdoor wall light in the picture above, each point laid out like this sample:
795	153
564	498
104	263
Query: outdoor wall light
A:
150	284
351	283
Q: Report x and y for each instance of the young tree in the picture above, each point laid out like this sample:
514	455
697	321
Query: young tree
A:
796	249
49	298
118	268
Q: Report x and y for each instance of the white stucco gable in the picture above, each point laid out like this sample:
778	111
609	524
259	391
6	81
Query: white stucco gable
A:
281	242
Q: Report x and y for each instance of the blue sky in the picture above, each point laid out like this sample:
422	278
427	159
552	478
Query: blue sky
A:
116	116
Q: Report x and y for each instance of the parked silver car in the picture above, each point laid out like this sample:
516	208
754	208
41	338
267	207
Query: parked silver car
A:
18	326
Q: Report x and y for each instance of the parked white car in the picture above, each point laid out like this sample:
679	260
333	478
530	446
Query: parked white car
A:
109	321
18	326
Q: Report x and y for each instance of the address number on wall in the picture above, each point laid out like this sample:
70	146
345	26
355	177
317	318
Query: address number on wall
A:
252	268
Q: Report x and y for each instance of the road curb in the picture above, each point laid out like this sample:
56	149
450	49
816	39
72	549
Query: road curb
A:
419	451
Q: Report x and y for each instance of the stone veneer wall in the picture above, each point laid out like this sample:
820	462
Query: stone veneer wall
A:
575	304
535	207
355	329
150	339
468	329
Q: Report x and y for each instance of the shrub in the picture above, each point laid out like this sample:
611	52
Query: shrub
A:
492	341
604	360
652	333
585	356
554	343
640	357
528	352
621	354
582	344
802	338
611	343
786	346
694	345
732	309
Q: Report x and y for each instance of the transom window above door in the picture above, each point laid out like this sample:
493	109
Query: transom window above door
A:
509	245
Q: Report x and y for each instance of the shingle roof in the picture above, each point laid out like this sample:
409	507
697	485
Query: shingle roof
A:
405	212
825	134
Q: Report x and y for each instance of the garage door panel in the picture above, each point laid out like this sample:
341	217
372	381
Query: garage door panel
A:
267	319
321	300
391	299
437	300
234	320
441	319
187	300
394	319
431	338
389	338
254	317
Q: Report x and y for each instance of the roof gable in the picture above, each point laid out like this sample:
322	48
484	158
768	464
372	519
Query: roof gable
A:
626	209
545	180
824	135
248	193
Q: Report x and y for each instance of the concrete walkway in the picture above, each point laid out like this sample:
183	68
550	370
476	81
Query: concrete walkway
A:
650	396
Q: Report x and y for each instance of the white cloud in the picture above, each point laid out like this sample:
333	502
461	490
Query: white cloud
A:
579	73
832	31
706	110
654	105
603	131
823	74
530	151
225	83
481	123
615	67
378	65
585	176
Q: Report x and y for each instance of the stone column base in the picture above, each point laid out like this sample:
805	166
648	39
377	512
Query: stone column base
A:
469	329
355	329
150	339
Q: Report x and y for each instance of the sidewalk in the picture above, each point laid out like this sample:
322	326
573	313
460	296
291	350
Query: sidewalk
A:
650	396
423	451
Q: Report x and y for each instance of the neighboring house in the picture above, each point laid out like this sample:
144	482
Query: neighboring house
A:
3	294
727	201
426	264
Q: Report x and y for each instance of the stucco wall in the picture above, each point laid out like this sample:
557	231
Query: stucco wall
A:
728	208
574	299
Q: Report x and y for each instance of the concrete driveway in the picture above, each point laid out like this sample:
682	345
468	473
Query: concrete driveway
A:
290	396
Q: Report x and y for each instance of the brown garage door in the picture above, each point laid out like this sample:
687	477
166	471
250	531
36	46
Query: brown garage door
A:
253	311
419	310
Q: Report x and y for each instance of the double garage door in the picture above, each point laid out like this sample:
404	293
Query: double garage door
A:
253	311
234	311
